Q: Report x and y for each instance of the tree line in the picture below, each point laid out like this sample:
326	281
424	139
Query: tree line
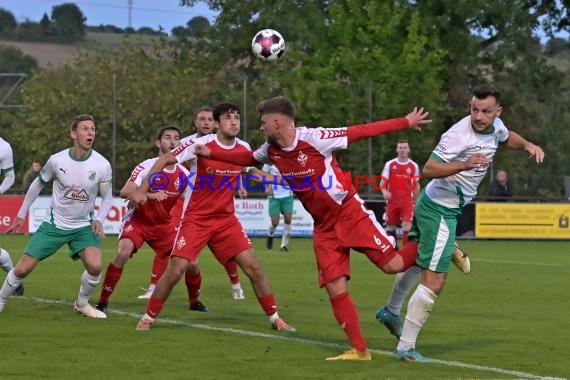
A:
346	62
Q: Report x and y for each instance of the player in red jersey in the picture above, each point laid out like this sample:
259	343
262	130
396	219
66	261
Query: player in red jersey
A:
152	223
400	188
306	160
210	218
204	123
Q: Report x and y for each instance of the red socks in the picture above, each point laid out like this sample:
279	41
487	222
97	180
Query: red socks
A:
409	253
268	304
193	285
159	265
112	276
154	306
347	317
232	269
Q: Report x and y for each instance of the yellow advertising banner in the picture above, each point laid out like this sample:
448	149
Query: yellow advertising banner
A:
522	220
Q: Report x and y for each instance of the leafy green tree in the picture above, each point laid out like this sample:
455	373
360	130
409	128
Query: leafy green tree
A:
45	24
12	60
7	21
198	26
69	21
153	89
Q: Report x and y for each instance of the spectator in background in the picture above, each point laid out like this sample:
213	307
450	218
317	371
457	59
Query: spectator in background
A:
500	186
32	173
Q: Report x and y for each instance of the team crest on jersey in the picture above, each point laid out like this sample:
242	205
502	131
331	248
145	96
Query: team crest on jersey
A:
331	134
77	194
128	228
302	158
181	243
177	182
91	175
408	171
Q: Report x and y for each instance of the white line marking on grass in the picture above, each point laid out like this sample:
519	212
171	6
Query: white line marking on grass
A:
288	338
516	262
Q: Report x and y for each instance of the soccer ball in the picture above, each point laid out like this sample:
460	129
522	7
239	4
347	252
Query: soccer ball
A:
268	45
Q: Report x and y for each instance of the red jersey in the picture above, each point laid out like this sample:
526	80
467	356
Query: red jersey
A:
311	170
213	183
173	183
402	179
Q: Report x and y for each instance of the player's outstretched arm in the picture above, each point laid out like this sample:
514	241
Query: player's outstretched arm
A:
516	141
417	118
414	120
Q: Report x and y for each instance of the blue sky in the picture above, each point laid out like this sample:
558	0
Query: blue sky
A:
152	13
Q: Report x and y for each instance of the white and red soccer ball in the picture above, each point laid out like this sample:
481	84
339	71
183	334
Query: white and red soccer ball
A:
268	44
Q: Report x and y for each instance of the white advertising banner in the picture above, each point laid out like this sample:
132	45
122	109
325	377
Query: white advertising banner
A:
252	213
254	216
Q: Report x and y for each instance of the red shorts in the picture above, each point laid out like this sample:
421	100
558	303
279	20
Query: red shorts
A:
159	237
356	228
225	237
399	212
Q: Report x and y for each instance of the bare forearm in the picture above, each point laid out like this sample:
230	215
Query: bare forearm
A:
435	169
516	141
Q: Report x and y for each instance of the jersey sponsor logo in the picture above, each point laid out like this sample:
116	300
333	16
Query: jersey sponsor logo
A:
76	194
302	158
440	148
331	134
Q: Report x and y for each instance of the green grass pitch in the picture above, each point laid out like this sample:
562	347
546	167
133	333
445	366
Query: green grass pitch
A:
507	319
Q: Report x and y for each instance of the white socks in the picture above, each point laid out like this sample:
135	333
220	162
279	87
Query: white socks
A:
10	284
236	286
88	285
286	235
271	230
5	260
402	286
419	309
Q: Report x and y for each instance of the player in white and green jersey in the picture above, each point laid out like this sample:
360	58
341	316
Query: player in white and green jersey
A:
79	175
8	178
280	202
457	166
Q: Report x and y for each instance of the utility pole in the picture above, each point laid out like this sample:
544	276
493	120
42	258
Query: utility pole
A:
130	13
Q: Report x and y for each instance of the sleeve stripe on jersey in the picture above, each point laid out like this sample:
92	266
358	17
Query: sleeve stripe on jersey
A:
436	157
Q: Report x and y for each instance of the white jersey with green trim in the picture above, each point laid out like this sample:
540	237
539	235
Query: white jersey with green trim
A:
280	190
6	156
458	144
75	187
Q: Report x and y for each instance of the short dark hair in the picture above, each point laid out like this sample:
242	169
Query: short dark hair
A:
483	91
224	108
403	141
169	127
279	104
205	109
78	119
